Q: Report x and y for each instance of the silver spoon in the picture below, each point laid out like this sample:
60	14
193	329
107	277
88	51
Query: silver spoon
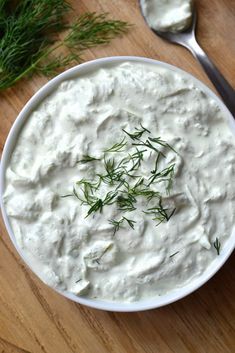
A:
188	40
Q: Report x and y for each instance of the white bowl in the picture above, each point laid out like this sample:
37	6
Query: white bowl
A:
9	145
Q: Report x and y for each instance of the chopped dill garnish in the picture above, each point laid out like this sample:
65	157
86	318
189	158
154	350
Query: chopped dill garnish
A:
99	203
147	143
165	175
217	245
130	222
138	133
117	224
118	147
97	206
87	189
126	203
86	159
126	189
67	195
174	254
159	213
161	142
136	159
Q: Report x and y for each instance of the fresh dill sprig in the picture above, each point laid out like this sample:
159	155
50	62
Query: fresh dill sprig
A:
26	34
87	188
52	66
97	206
126	202
147	143
130	222
30	42
140	189
117	224
161	142
92	29
150	143
99	203
110	168
138	133
117	147
159	213
114	172
75	194
217	245
136	158
165	175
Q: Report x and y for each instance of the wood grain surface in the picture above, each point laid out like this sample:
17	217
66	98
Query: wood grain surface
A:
33	318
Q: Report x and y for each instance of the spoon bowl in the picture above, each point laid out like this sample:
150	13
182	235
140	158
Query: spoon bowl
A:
183	37
187	39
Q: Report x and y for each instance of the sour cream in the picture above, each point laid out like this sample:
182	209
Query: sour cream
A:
85	115
167	15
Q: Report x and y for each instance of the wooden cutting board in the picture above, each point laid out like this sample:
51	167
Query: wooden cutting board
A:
33	318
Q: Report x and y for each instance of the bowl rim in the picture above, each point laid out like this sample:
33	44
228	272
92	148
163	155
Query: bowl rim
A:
44	91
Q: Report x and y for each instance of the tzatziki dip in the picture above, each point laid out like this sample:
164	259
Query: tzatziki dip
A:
120	186
168	15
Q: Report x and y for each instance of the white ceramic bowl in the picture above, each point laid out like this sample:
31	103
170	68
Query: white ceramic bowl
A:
10	143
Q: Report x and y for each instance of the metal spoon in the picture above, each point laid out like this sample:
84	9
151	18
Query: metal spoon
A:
188	40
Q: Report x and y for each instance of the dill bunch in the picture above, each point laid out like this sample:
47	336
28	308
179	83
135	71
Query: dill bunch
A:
29	41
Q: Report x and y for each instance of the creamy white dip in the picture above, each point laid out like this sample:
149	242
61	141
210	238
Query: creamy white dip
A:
84	116
167	15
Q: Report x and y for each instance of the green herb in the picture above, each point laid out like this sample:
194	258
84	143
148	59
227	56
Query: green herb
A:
120	177
110	168
217	245
118	147
165	175
149	145
117	224
138	133
126	203
67	195
104	252
87	189
86	159
139	189
97	206
136	159
30	42
73	194
159	213
161	142
130	222
174	254
99	203
114	172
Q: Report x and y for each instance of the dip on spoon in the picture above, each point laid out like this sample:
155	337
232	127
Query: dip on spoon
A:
175	21
165	15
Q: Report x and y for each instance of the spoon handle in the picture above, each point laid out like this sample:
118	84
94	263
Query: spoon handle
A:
221	84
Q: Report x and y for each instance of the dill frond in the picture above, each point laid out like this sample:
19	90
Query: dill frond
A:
29	40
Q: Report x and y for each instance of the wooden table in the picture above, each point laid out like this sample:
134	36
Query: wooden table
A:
33	318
